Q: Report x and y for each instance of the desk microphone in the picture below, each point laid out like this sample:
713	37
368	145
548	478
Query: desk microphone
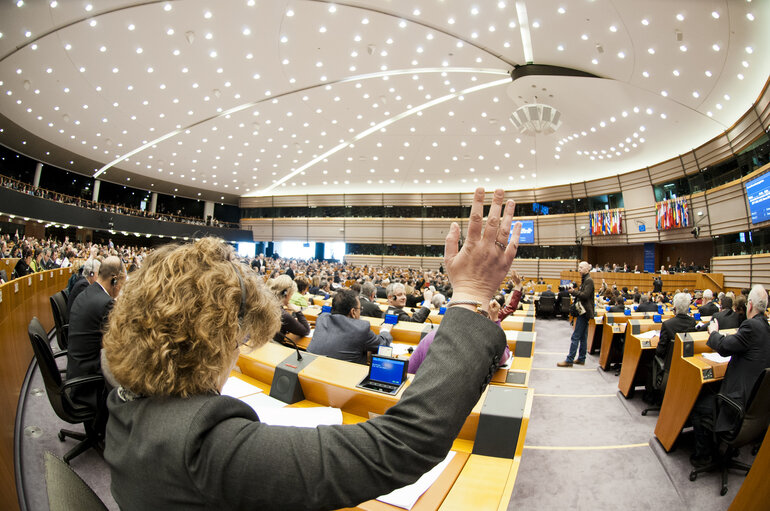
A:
293	344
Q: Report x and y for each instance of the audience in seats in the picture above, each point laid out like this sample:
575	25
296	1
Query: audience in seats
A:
709	307
343	335
299	297
727	317
23	265
645	305
88	273
369	306
292	320
87	321
397	300
749	349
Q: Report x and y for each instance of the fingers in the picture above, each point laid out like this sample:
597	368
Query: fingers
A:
493	219
451	242
505	226
513	246
477	216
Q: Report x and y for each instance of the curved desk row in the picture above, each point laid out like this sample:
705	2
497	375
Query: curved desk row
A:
479	477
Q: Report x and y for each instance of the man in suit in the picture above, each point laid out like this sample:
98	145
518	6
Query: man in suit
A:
682	322
749	349
382	289
87	319
617	305
710	307
585	295
343	335
292	269
24	265
88	274
645	305
548	292
369	307
727	317
657	283
397	300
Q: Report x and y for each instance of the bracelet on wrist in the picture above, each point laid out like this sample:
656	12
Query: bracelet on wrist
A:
464	302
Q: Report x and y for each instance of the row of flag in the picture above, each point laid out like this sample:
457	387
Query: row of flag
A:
608	221
672	214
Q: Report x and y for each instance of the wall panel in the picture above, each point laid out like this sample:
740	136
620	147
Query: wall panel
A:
713	151
760	270
555	230
603	186
735	269
727	209
668	170
553	193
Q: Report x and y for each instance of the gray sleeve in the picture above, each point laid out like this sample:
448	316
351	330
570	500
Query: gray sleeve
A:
243	464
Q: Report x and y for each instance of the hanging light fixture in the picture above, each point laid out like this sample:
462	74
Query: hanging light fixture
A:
534	118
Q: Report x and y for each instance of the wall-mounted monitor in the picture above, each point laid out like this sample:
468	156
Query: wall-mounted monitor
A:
527	236
758	194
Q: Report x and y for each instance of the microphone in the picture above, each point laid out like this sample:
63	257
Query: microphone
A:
294	345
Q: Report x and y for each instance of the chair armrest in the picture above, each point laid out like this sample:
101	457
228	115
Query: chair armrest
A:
62	353
723	400
82	380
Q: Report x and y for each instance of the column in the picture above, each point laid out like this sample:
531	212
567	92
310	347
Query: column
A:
95	196
38	171
154	202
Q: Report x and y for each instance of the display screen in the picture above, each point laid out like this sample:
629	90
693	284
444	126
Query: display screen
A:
527	236
387	370
758	193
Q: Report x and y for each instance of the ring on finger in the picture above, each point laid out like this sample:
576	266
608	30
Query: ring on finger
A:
499	244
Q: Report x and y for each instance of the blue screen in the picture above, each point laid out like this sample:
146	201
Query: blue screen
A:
387	370
758	193
527	232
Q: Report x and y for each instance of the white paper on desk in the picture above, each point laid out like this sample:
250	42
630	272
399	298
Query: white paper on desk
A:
649	334
301	417
715	357
260	402
400	348
407	496
508	363
235	387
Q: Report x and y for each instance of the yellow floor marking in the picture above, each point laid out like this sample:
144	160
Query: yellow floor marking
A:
593	369
583	447
575	395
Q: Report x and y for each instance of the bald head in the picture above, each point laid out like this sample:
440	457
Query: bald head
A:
112	274
584	267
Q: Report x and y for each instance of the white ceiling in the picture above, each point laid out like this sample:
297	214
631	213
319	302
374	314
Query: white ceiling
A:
268	97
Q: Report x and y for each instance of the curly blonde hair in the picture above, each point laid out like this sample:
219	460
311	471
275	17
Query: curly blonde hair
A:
175	328
282	286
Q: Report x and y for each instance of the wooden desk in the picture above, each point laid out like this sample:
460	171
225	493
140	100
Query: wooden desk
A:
471	481
637	353
671	282
594	337
755	492
522	347
689	373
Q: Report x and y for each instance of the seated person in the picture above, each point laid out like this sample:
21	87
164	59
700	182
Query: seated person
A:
343	335
397	301
749	349
514	297
739	305
369	306
727	317
23	265
87	320
89	271
211	460
645	305
710	307
682	322
298	298
292	320
548	292
438	301
617	304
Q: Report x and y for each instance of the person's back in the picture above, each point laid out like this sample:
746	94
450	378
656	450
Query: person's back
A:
345	338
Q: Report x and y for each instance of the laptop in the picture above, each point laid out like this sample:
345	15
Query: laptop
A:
386	375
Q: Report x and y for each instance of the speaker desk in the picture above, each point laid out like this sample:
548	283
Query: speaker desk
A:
474	480
690	371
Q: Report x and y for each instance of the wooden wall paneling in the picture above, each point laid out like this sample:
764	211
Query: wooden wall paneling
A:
760	270
553	193
745	131
689	163
639	203
325	200
552	268
602	186
665	171
403	231
713	151
359	230
256	202
520	196
290	201
402	199
616	254
363	199
441	199
262	229
727	209
290	229
328	230
555	230
736	269
691	251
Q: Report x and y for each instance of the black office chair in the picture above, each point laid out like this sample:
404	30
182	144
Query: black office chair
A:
60	318
660	370
749	424
58	393
564	306
546	306
66	490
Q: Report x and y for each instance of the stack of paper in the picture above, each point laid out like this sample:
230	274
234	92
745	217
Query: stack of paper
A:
300	417
400	348
407	496
235	387
716	357
649	334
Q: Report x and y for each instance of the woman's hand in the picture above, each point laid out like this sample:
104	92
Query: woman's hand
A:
494	310
477	270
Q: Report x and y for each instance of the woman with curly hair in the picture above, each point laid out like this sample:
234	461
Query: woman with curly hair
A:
173	442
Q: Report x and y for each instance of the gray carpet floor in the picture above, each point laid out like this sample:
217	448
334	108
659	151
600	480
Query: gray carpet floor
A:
587	448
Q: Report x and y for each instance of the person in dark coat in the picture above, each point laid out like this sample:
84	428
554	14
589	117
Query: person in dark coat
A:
24	265
680	323
397	301
645	305
369	307
749	349
710	308
585	295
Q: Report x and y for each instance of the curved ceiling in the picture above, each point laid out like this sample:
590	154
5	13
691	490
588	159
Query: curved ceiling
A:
258	97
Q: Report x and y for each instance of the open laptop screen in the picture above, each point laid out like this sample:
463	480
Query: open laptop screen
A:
387	370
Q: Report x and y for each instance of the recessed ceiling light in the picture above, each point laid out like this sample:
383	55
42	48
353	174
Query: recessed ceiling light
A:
246	31
683	47
207	15
645	22
749	50
613	28
651	51
680	17
290	13
561	10
676	72
584	37
708	73
645	74
664	93
621	55
560	47
749	16
535	24
715	15
695	94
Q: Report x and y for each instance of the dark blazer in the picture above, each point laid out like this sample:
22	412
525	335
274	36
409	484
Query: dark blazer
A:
749	349
617	308
80	285
417	317
382	292
22	269
345	338
728	319
647	307
657	285
547	293
202	452
709	309
88	317
668	330
369	308
585	294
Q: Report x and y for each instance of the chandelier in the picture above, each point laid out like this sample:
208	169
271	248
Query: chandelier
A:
535	118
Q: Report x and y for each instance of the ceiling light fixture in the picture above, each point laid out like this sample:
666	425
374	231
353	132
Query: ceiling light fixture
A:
536	118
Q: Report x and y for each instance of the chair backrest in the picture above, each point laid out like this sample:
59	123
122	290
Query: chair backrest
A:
61	319
757	416
66	490
565	304
547	303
